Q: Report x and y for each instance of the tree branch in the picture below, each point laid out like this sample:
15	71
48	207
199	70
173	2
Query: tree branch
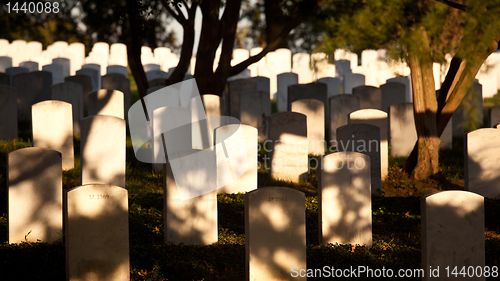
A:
269	47
455	71
177	17
181	14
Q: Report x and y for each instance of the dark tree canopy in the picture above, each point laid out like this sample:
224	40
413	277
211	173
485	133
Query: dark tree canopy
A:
423	32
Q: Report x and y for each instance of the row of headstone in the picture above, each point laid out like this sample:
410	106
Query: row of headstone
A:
102	133
281	198
35	87
275	225
95	215
374	65
391	88
274	218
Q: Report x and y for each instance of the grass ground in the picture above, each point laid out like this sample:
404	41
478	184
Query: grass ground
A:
396	227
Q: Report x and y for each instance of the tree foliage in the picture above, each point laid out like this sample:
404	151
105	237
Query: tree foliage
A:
45	28
422	32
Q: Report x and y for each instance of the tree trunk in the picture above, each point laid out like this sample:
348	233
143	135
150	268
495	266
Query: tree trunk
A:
210	38
424	159
134	45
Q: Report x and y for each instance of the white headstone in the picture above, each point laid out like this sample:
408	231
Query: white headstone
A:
248	181
275	233
102	150
482	156
263	84
29	89
332	84
342	67
284	80
106	102
235	87
57	71
369	97
16	70
120	83
53	128
30	65
363	138
65	63
452	233
302	66
288	146
494	116
4	79
314	110
406	80
402	127
192	221
265	70
71	93
5	62
255	109
379	119
86	82
352	80
117	69
94	71
340	108
34	180
344	199
392	93
97	233
155	74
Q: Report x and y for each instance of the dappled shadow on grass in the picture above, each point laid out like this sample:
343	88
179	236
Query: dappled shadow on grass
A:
347	256
140	176
231	218
396	221
182	262
398	184
451	162
35	261
146	218
396	230
265	180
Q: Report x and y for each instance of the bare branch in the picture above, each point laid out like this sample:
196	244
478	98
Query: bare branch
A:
269	47
456	69
177	17
178	9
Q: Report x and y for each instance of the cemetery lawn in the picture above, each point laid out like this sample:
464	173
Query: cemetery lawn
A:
396	226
